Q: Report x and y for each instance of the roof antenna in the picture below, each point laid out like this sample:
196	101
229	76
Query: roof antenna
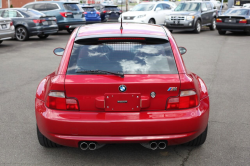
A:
121	28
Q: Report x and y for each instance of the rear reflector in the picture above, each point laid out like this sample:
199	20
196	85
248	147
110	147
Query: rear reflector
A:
187	99
11	23
244	21
57	100
122	38
218	20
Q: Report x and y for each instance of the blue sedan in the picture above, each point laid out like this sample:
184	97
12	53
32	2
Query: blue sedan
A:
91	14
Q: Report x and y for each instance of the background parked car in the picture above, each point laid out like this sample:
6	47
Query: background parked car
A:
30	22
91	14
149	12
234	19
108	12
7	29
68	15
217	4
191	16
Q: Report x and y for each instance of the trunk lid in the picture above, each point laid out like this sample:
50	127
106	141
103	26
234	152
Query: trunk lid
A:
101	92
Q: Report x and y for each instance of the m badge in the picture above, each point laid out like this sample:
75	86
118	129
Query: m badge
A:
172	89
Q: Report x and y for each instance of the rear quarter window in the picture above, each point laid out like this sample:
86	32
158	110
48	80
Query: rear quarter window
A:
71	6
125	57
51	6
40	6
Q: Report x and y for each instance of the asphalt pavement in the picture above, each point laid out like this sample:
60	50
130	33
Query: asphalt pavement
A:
222	61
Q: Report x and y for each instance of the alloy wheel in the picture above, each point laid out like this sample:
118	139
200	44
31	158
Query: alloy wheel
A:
198	27
21	33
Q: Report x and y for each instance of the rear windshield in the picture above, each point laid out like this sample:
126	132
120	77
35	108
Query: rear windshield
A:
71	6
113	8
123	57
89	9
237	12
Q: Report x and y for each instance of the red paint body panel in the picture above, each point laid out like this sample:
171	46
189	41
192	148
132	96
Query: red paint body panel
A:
149	122
68	128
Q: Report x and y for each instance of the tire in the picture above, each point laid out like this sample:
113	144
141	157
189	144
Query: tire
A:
151	21
43	36
197	27
45	141
199	140
1	41
213	25
222	32
171	31
21	33
70	30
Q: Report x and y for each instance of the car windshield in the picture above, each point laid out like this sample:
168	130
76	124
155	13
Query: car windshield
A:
188	7
123	57
89	9
237	12
143	7
71	6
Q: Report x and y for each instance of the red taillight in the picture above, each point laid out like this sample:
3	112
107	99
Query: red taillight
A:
38	21
244	21
84	12
98	13
218	20
65	14
11	23
104	11
187	99
57	100
121	38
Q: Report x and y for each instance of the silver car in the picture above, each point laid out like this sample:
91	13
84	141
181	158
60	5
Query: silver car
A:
7	29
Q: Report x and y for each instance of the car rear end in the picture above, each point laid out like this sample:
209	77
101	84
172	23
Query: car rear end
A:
111	13
7	29
70	16
40	24
154	101
91	14
235	20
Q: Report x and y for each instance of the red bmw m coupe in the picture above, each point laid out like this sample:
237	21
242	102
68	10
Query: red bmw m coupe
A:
121	85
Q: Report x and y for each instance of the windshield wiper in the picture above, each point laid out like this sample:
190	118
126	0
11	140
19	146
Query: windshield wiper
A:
100	72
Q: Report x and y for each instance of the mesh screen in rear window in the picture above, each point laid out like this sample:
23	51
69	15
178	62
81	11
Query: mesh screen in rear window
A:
71	6
123	57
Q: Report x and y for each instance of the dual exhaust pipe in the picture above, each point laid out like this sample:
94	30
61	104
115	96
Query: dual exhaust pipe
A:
90	145
155	145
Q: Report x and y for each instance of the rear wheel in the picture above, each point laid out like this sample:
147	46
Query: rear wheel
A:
45	141
70	31
197	26
43	36
151	21
171	31
213	25
1	41
222	32
199	140
21	33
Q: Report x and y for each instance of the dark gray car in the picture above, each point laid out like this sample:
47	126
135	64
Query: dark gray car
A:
68	14
30	22
191	16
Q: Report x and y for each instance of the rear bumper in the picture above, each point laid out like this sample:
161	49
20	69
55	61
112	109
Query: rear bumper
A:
43	30
6	34
233	27
69	128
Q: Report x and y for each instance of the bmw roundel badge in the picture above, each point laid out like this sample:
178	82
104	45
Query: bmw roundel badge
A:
122	88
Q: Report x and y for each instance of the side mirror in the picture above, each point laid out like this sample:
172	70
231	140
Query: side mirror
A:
58	51
203	10
182	50
158	9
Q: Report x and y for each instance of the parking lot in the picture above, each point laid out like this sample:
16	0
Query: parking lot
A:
222	62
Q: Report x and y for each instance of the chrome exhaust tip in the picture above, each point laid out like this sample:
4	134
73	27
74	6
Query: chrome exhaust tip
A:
162	145
153	145
92	146
84	145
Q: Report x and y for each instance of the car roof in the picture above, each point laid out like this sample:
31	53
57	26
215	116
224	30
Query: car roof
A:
15	9
129	30
53	2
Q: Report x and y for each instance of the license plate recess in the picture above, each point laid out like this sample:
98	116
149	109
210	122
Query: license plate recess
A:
122	102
